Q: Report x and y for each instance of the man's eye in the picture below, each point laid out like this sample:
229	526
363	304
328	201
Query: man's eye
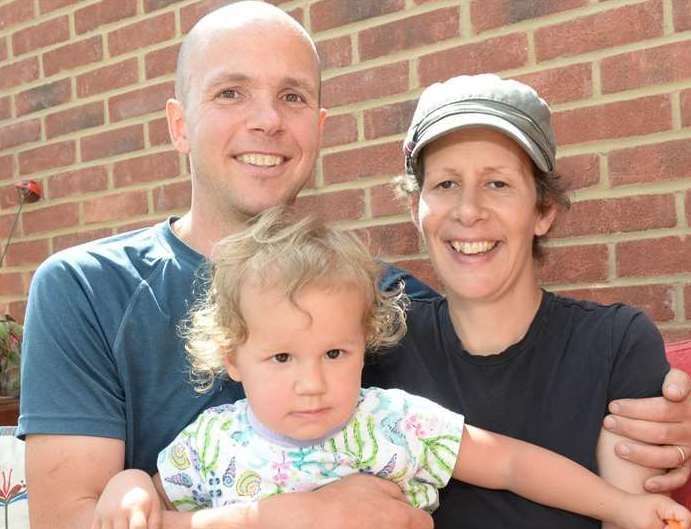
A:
228	93
281	358
333	354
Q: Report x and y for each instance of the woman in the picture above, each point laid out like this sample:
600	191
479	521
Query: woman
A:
480	159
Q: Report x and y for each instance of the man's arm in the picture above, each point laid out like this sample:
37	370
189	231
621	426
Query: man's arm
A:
660	425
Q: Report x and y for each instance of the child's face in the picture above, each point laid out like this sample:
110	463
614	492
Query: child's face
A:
302	362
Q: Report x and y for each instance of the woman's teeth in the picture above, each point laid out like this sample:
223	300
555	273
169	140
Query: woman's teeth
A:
473	247
261	160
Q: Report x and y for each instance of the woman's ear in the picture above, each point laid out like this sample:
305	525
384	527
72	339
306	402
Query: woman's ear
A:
545	219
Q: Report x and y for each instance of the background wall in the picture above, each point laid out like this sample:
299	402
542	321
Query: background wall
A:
83	84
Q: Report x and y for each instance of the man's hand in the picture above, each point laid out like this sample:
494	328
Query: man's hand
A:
356	502
660	431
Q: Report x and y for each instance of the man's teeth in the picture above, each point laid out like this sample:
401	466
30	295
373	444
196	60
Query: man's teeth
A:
261	160
472	248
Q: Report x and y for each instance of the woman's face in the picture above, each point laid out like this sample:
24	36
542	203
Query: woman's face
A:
477	213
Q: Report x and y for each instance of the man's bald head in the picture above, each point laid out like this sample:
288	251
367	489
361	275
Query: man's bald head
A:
236	16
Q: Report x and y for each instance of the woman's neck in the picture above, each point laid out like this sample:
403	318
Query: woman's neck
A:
488	328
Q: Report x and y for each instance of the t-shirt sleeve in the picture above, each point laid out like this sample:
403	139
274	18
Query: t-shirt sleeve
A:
179	467
639	364
414	288
70	383
434	436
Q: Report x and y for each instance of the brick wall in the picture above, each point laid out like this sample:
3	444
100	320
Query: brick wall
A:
83	83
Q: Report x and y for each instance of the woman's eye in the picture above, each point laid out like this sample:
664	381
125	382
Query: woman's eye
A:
446	184
333	354
498	184
294	98
281	358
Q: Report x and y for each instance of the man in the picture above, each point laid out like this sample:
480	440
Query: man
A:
105	382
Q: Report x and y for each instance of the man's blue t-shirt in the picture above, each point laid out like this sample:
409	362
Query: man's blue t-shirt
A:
102	355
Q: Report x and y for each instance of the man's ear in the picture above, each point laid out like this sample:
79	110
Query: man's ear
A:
177	127
231	367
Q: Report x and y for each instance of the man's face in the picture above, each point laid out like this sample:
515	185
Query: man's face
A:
252	121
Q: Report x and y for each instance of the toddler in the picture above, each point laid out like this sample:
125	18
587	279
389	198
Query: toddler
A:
292	307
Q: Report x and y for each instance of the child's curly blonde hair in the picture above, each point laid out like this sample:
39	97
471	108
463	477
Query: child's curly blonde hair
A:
280	249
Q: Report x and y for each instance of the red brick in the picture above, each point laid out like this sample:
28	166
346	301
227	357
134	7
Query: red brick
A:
73	239
158	132
650	66
688	210
19	73
573	264
50	218
44	96
104	12
3	49
675	334
189	15
140	34
152	5
141	101
6	222
339	205
46	6
579	171
617	215
112	142
328	14
686	108
489	14
650	163
492	55
681	10
5	108
655	300
363	162
411	32
18	308
11	283
558	85
634	117
78	118
383	201
27	253
47	157
372	83
652	257
147	168
19	133
335	53
687	301
173	196
9	198
339	130
77	182
108	78
389	119
73	55
138	225
618	26
7	167
392	239
161	62
15	13
115	207
40	35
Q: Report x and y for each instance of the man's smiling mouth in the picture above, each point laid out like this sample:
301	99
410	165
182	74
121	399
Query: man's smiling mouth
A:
260	160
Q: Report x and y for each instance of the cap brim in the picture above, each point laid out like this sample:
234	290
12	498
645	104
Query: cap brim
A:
474	120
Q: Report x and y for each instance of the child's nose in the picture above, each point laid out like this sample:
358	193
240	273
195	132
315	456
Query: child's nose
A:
310	380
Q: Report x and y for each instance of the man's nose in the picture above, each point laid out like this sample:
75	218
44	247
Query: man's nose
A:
265	116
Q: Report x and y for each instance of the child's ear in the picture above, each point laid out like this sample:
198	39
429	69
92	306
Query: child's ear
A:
231	367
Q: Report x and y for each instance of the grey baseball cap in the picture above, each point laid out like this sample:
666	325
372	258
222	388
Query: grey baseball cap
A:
484	100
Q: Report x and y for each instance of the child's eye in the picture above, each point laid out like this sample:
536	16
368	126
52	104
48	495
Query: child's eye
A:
333	354
281	358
